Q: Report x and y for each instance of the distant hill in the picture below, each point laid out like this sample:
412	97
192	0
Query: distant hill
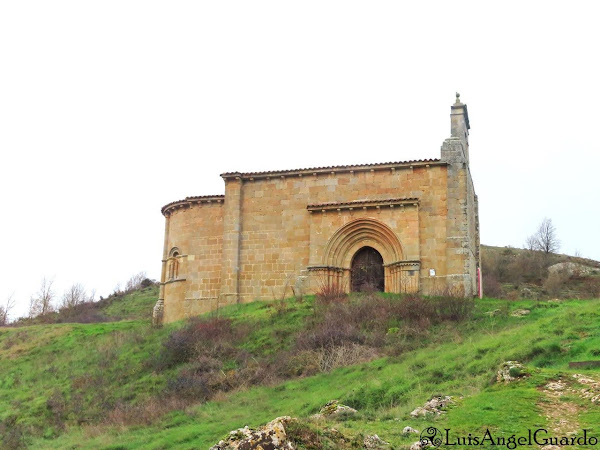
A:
518	273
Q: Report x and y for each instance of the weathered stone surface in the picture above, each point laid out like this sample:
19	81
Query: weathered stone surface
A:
408	430
271	436
420	446
510	371
520	312
435	406
374	441
571	268
334	409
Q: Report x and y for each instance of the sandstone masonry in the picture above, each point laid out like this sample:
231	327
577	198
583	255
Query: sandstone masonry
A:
399	227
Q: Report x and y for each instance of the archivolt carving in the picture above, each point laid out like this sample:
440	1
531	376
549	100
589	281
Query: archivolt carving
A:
359	233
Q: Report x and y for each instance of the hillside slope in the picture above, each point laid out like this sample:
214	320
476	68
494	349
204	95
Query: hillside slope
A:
72	385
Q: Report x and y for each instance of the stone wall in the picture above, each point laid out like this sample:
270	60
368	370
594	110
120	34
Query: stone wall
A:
195	232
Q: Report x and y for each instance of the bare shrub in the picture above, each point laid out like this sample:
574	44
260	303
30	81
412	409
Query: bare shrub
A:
344	355
41	303
555	282
416	309
330	292
491	286
212	337
5	310
455	309
73	296
146	413
592	287
136	282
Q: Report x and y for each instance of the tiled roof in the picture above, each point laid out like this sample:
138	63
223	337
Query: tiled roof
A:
330	168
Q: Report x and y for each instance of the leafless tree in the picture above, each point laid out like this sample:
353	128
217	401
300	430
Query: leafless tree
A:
5	309
42	302
73	296
135	282
545	239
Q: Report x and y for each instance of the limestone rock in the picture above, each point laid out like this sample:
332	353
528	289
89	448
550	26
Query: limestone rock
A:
434	406
420	445
333	409
520	312
269	436
408	430
510	371
374	441
493	312
571	268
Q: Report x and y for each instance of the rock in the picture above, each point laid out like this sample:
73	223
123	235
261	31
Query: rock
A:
555	386
527	293
269	436
333	409
571	268
493	312
434	406
420	445
520	312
374	441
510	371
550	447
408	430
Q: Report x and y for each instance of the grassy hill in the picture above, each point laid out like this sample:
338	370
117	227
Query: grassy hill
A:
127	385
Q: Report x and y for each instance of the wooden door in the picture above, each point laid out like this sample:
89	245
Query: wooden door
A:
367	271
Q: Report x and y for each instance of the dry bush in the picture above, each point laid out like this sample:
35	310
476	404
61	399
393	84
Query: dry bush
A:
344	355
592	287
212	337
491	286
126	414
454	309
556	282
330	292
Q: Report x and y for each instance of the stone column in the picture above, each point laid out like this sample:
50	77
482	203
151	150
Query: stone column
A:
158	311
232	228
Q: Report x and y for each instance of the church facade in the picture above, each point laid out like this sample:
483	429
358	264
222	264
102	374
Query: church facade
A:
403	227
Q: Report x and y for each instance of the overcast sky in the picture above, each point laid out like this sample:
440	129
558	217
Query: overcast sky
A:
109	110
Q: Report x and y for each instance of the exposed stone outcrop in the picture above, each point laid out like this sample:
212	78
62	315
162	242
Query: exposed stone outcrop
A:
520	312
271	436
420	445
571	268
510	371
435	406
333	408
408	430
374	441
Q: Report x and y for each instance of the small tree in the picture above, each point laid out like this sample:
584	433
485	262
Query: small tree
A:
135	282
73	296
5	310
545	239
42	302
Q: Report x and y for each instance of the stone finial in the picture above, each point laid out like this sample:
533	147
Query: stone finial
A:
457	98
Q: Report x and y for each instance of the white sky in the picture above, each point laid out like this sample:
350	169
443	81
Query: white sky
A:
109	110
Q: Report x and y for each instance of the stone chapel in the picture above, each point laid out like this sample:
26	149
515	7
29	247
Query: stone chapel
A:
403	227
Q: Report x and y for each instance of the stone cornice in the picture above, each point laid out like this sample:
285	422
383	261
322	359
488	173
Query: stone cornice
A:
250	176
364	204
190	201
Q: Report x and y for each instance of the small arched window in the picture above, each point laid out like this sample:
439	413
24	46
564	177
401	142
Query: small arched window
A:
173	264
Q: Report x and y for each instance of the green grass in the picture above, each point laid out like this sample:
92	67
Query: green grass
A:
41	361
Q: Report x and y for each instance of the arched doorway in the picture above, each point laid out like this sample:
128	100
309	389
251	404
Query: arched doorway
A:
367	270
